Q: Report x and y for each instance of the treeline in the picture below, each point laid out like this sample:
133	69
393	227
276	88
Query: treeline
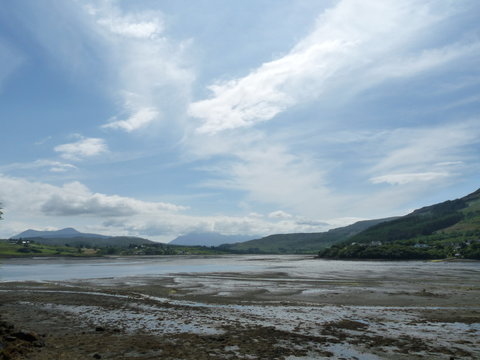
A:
159	249
90	242
401	250
407	227
32	248
446	230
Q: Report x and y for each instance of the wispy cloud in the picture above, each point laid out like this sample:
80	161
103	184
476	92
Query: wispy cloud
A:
10	60
306	162
43	140
342	54
150	69
366	114
268	172
428	152
83	148
130	26
137	120
279	214
53	165
402	179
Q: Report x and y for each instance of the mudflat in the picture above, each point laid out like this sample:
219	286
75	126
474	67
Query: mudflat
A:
273	308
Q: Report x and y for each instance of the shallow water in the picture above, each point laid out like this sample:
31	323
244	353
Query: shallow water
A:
295	266
434	303
38	269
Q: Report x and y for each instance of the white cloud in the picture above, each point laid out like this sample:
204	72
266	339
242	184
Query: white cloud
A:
402	179
267	170
170	226
342	54
58	167
54	166
73	198
270	173
409	65
426	150
43	141
279	214
417	162
85	147
307	162
76	199
130	26
73	204
137	120
150	74
344	221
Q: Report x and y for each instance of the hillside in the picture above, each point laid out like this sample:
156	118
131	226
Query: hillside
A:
92	242
300	243
447	229
208	239
70	242
62	233
122	246
74	238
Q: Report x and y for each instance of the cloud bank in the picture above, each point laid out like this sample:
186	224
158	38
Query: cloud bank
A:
113	214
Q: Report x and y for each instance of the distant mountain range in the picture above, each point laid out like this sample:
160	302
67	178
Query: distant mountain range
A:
209	239
72	237
301	242
63	233
447	229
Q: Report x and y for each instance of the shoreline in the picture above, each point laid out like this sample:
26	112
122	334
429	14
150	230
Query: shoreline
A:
281	312
309	256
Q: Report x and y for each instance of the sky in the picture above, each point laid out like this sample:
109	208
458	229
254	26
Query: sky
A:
157	118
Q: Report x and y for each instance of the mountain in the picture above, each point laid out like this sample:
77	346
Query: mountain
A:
208	239
72	237
301	242
447	229
93	242
63	233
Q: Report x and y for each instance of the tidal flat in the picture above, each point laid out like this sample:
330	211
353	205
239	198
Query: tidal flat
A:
238	307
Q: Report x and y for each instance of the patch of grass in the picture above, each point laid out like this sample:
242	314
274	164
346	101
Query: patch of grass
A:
8	249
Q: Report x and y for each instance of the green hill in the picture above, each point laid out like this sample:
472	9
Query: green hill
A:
62	233
300	243
447	229
91	242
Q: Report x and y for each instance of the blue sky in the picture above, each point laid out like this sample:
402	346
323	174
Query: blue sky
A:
158	118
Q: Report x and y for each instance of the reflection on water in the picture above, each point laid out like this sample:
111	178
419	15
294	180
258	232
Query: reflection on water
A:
67	269
292	265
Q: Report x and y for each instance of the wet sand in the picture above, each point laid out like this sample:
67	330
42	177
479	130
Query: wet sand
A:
277	312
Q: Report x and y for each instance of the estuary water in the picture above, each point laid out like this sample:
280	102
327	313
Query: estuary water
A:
292	266
246	306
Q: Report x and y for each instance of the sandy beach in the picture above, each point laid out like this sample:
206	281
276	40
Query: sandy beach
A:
283	309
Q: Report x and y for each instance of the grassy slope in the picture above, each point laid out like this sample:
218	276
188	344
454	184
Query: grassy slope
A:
301	242
448	229
449	217
91	242
471	220
7	250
